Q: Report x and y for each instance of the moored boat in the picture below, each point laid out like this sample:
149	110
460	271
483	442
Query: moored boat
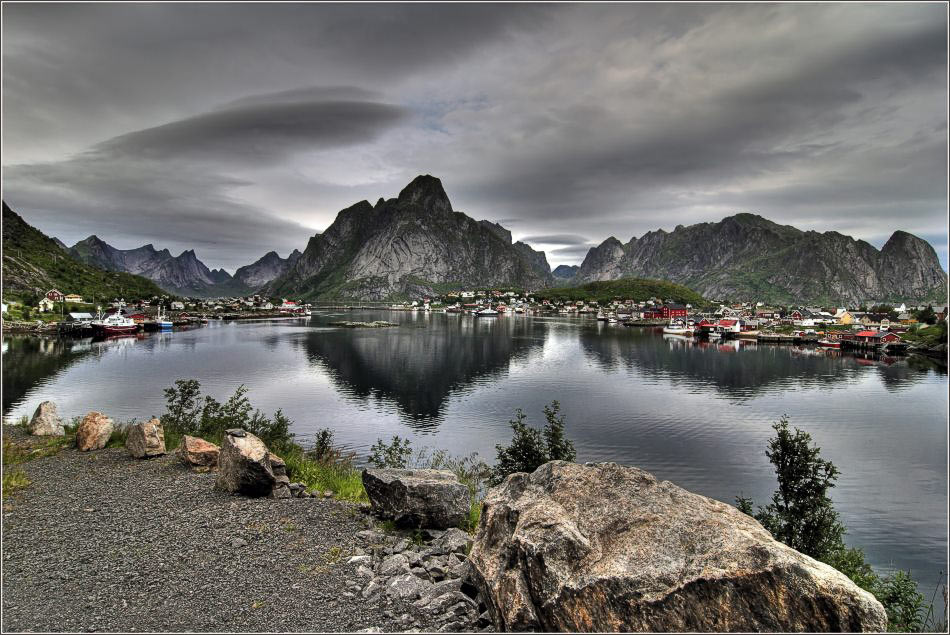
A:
487	312
114	325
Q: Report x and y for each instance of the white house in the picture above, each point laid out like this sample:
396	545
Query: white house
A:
46	305
177	306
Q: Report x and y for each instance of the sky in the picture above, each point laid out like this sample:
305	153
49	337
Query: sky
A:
236	129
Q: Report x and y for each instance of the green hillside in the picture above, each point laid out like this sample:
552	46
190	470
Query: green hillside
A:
637	289
33	264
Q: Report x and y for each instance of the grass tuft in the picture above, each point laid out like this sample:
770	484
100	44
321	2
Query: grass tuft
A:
14	479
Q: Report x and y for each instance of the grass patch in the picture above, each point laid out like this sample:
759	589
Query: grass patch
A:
336	473
14	479
120	433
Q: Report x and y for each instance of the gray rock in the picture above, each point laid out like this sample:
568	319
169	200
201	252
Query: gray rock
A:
454	540
279	468
607	547
360	560
244	466
146	439
417	498
46	421
281	491
406	586
437	589
393	565
364	572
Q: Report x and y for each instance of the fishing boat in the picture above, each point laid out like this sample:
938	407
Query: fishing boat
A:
677	328
826	343
115	324
487	312
162	321
715	335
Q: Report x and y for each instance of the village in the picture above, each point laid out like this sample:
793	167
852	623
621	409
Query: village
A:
878	326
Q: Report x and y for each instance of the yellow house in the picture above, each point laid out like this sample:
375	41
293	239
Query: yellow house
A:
846	318
72	297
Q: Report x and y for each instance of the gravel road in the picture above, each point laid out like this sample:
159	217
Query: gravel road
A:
103	542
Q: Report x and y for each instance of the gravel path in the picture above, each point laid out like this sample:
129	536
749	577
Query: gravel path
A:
103	542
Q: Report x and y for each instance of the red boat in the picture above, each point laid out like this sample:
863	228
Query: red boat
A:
829	343
115	325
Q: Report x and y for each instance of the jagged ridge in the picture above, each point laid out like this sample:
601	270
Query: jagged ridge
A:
749	257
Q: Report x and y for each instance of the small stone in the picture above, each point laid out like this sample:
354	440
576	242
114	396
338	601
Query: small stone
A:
238	542
394	565
281	491
364	572
359	560
328	494
406	587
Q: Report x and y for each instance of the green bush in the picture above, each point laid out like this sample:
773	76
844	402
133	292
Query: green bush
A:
803	516
187	413
395	454
531	448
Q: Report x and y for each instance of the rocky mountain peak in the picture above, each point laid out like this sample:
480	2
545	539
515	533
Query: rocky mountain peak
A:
426	191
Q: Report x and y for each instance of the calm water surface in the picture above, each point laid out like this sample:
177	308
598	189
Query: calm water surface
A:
699	415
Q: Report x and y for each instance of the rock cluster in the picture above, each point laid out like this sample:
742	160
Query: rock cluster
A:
606	547
427	577
93	432
417	498
46	421
146	439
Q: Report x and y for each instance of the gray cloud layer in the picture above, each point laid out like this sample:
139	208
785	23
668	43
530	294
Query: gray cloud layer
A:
237	129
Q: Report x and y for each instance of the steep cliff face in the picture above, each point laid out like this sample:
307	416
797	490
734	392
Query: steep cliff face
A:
266	268
183	274
414	243
749	257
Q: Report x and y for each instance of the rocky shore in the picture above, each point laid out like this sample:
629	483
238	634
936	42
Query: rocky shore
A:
100	538
101	541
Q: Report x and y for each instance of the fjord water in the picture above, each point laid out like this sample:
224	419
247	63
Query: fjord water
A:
697	414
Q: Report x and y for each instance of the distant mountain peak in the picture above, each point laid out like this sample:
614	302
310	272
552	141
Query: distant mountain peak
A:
748	257
426	191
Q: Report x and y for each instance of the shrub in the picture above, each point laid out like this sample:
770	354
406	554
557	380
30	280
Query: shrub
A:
531	448
803	516
394	454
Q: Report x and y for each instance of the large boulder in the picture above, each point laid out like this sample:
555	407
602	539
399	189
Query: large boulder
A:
198	453
417	498
93	432
46	421
146	439
609	548
244	465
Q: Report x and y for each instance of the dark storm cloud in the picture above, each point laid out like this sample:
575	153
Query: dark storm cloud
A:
566	123
259	128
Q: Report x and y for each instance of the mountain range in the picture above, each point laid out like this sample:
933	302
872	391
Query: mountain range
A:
418	244
183	274
34	263
749	257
